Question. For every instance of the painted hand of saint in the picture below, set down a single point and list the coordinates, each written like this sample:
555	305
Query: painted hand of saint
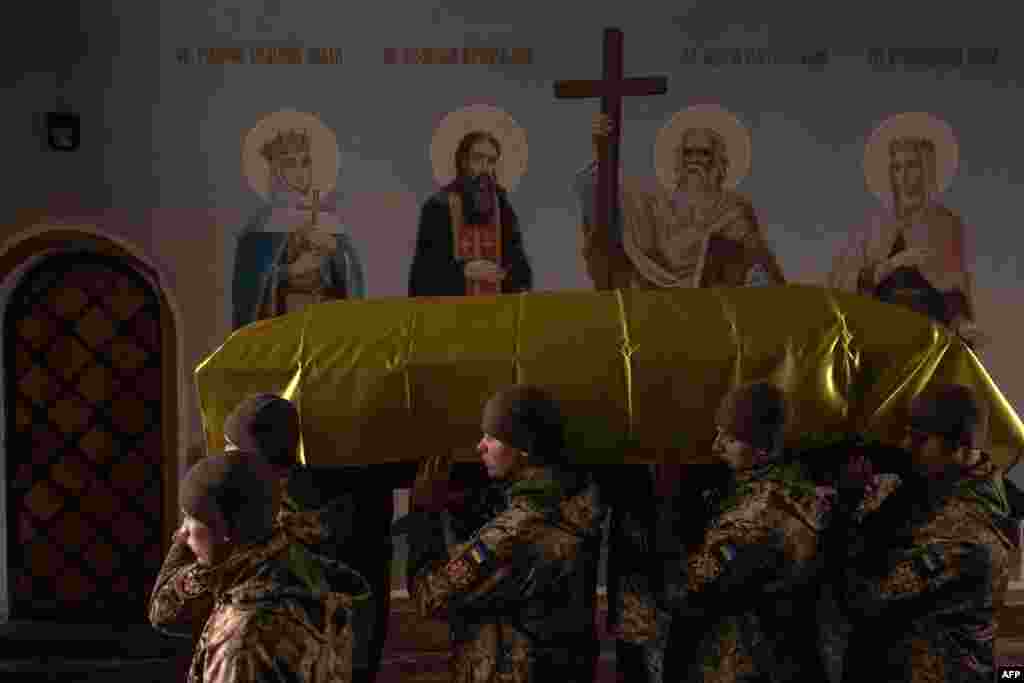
322	241
914	257
307	262
600	130
484	271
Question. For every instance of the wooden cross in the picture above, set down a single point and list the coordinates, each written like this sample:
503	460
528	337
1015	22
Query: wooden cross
611	89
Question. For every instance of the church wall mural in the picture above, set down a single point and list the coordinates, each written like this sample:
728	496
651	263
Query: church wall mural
710	207
732	167
451	153
295	251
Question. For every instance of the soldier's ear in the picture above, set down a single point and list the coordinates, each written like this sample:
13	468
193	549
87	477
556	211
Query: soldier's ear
965	456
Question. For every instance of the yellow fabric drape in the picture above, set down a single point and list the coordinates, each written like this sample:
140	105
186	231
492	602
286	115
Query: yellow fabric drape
639	373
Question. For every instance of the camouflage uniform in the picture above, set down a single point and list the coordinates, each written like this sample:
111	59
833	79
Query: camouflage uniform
652	532
269	425
834	624
279	612
760	557
926	608
742	610
180	605
182	613
520	594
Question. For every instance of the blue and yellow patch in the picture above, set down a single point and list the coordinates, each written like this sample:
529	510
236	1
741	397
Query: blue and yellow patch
727	552
481	554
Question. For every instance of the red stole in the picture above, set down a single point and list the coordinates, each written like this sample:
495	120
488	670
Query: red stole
476	242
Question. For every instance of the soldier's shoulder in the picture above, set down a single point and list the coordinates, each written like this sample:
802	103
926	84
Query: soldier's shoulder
965	519
516	523
279	633
235	629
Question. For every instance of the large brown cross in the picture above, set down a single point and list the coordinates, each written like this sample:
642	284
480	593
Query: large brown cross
611	89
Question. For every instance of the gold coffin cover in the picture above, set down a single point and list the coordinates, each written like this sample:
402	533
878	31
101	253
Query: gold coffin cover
639	374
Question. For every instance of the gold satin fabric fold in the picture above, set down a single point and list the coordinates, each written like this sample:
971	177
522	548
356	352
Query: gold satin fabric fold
638	373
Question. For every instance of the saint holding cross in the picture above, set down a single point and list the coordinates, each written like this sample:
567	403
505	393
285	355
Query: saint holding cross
603	247
692	229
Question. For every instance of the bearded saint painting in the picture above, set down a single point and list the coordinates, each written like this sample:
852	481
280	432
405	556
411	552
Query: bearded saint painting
469	241
691	228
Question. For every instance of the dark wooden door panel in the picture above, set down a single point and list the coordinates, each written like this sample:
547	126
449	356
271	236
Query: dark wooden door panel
85	443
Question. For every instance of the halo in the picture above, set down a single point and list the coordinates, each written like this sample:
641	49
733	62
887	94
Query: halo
324	146
497	122
723	122
909	124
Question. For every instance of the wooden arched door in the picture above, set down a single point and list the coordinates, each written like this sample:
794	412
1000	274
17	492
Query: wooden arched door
83	387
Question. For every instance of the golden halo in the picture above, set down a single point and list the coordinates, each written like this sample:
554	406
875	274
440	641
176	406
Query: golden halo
916	125
723	122
324	146
497	122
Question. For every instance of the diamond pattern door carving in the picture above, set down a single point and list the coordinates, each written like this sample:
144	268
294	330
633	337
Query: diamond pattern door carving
85	447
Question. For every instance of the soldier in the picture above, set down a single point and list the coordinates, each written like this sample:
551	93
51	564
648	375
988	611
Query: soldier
741	606
267	426
520	594
927	571
280	613
318	506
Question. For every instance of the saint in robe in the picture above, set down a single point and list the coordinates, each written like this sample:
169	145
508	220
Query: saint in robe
911	250
469	241
691	230
296	252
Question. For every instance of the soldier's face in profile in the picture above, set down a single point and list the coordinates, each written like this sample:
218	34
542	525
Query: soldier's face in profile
696	160
202	540
931	453
296	170
730	450
482	160
500	460
907	172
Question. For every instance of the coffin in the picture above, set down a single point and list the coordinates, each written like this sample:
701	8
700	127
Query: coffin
639	374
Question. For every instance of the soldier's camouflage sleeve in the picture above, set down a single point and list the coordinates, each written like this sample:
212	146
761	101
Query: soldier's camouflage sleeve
933	576
485	573
722	545
181	602
277	648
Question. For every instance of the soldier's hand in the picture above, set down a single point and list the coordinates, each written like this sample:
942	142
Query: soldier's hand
430	490
856	475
